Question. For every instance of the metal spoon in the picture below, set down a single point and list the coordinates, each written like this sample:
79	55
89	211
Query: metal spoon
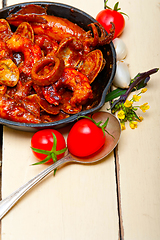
113	127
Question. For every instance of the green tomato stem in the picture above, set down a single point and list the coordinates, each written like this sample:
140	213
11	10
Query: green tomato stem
43	161
50	154
99	124
115	8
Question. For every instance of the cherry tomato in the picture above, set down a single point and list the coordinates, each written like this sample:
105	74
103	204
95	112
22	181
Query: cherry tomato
85	138
44	140
106	16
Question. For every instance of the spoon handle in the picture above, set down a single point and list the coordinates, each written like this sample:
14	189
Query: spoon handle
7	203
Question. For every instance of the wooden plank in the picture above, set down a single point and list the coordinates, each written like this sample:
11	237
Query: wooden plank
138	150
80	202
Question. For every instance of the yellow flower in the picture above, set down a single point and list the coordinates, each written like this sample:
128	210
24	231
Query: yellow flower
144	107
143	90
136	98
123	126
128	103
133	125
121	114
140	119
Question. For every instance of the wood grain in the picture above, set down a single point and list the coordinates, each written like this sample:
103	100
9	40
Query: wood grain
138	150
80	202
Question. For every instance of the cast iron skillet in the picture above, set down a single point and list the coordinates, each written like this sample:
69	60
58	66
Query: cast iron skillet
100	85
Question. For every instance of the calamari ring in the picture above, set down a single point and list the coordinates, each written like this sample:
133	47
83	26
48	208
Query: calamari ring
47	78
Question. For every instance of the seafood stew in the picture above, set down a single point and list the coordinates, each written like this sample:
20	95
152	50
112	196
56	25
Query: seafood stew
95	89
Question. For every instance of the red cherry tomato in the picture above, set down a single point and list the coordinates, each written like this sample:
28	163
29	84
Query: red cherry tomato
106	16
85	138
43	139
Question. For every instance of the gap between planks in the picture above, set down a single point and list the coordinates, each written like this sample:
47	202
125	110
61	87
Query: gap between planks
119	206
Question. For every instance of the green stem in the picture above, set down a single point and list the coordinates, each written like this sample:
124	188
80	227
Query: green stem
99	124
50	154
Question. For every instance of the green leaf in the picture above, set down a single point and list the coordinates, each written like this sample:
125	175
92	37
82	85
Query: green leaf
55	170
105	124
124	14
114	94
61	151
51	154
98	124
54	157
54	143
116	7
43	161
41	151
136	116
88	118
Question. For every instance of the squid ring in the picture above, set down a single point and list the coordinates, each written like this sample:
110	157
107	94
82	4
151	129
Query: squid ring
47	78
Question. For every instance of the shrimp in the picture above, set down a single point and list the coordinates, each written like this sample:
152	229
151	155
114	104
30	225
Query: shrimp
32	52
78	83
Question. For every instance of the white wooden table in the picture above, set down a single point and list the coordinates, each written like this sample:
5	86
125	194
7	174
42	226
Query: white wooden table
116	199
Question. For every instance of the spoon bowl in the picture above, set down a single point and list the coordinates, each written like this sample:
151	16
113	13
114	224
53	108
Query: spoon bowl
111	140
